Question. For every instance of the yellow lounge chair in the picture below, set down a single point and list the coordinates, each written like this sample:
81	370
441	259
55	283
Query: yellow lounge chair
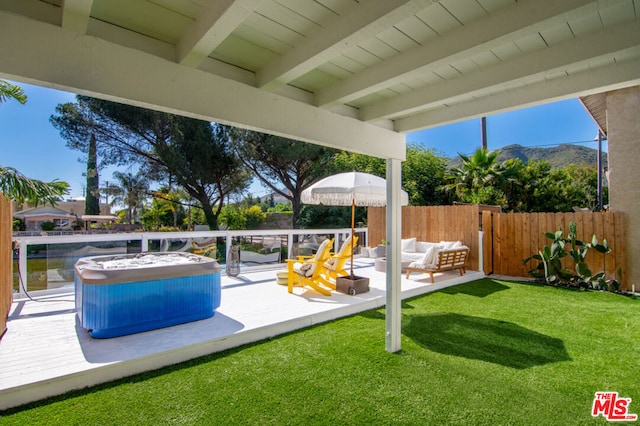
306	272
334	266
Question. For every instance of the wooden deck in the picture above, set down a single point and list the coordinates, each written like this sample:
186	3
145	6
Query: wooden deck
45	352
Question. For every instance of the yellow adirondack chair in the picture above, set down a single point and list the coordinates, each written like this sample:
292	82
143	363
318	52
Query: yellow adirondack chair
334	266
306	271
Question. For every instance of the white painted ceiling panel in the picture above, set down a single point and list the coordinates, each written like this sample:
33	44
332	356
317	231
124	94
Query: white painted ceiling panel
586	25
337	6
378	48
279	47
506	51
493	5
557	34
447	72
191	9
159	23
439	19
465	66
530	43
465	11
485	59
267	28
618	13
309	9
335	71
362	56
348	64
296	22
417	30
254	58
313	80
397	39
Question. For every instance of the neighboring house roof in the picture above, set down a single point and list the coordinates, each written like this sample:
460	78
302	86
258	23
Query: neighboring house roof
42	211
99	217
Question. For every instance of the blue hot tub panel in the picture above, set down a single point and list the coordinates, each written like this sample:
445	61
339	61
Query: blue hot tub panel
120	308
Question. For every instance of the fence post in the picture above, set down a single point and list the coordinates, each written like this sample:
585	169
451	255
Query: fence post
487	246
481	250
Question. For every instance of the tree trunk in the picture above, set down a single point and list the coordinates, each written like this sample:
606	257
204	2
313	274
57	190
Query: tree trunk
296	205
212	219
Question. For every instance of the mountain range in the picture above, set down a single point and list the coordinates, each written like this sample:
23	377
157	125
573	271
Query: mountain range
558	156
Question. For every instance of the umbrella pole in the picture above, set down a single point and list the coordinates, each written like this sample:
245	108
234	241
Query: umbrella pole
353	213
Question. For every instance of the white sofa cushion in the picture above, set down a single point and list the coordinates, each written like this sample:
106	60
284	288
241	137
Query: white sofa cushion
411	257
429	258
408	245
450	245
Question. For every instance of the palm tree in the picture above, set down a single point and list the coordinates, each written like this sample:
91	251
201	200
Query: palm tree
14	184
131	192
11	91
477	173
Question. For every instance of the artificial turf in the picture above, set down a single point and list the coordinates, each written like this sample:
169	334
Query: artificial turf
488	352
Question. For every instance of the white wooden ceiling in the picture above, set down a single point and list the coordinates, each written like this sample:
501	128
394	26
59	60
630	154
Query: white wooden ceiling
353	65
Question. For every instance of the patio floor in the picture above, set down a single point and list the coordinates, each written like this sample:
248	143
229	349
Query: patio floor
45	352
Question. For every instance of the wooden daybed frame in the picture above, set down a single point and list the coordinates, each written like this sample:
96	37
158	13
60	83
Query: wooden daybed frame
448	260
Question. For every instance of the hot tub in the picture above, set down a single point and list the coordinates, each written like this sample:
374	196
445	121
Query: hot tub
126	294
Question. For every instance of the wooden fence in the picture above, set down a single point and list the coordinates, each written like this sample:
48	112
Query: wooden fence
434	223
6	283
516	236
509	238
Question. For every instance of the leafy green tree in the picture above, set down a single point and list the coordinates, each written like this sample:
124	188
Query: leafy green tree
527	189
282	207
345	161
168	147
20	188
231	216
10	91
194	150
166	210
173	200
537	187
132	193
475	174
14	184
92	196
255	217
423	175
285	166
319	216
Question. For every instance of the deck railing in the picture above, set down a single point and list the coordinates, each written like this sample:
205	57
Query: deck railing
46	262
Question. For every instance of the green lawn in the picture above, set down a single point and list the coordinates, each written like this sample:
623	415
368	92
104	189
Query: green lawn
485	353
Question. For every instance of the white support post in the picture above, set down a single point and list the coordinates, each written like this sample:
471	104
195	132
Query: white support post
144	244
394	273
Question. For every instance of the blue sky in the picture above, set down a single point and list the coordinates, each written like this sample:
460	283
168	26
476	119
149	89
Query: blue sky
32	145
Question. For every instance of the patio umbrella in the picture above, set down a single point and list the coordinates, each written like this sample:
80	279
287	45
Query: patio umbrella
350	189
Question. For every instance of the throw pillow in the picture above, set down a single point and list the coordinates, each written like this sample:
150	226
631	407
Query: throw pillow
408	245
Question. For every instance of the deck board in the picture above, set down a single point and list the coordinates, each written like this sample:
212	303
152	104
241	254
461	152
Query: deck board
45	352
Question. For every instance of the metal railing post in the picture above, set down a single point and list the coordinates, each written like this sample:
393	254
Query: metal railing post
22	265
289	245
144	244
